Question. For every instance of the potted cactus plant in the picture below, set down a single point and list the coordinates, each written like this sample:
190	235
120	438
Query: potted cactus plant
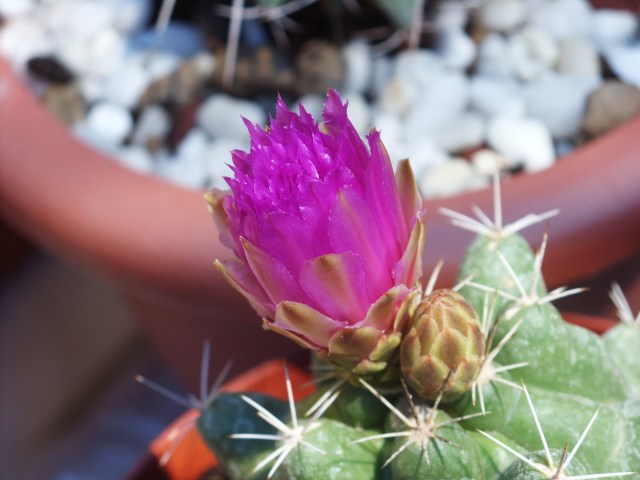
480	380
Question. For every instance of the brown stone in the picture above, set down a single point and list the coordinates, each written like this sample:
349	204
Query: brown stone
65	102
612	104
319	66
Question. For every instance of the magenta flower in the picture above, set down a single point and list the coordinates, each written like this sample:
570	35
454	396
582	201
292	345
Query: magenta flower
327	240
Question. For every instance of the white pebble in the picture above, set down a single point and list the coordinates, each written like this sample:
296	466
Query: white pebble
221	116
450	178
423	154
136	158
154	123
522	141
624	60
501	15
193	145
461	133
497	96
359	67
131	15
79	18
218	159
559	101
110	121
11	8
359	112
438	102
613	27
578	56
22	39
126	85
419	67
313	105
397	96
563	18
487	162
80	53
532	52
188	173
492	56
457	50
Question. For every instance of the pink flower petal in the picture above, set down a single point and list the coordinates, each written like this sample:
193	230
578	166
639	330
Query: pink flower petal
408	270
306	322
410	200
337	284
242	280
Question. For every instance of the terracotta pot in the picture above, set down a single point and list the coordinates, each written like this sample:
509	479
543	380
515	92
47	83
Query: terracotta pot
192	457
158	242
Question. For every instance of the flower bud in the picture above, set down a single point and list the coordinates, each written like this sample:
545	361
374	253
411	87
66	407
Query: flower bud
443	347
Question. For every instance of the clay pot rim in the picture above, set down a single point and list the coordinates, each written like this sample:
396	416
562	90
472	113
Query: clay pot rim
70	198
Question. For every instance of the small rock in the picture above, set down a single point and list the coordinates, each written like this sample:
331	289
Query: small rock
319	66
14	8
564	146
451	18
359	67
265	70
390	130
65	102
423	154
132	15
492	57
221	116
110	121
624	60
397	96
523	141
136	158
179	39
560	101
442	100
531	52
49	69
79	53
450	178
578	56
313	105
461	133
185	172
127	85
22	39
152	127
563	18
359	112
613	27
610	105
487	162
79	18
457	50
381	74
501	15
419	67
497	96
218	159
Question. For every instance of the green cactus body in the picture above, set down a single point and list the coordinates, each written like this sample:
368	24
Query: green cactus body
337	457
561	357
229	414
523	471
354	406
435	458
482	264
623	344
496	459
631	414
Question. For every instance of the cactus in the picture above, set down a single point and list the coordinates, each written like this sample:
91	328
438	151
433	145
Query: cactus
486	383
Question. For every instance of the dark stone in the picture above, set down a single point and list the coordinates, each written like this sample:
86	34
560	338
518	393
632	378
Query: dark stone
319	66
609	106
49	69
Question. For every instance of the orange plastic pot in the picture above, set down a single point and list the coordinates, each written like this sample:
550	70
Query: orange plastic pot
191	458
158	242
